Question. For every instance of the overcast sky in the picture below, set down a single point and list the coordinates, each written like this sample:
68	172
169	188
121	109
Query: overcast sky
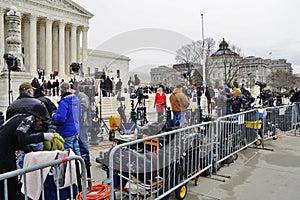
150	31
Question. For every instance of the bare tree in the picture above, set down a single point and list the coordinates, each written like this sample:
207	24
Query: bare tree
191	54
281	79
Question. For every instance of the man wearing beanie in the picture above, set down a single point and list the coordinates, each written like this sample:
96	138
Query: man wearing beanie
67	118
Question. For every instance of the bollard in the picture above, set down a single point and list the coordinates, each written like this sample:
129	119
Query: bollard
1	118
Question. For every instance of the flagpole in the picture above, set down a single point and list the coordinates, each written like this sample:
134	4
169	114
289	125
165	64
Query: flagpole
203	60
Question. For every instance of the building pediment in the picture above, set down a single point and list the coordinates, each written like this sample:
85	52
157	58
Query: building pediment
45	6
65	5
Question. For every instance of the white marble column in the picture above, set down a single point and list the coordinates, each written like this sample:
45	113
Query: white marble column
61	52
55	49
73	43
84	49
49	68
78	54
2	39
67	51
41	58
26	43
33	45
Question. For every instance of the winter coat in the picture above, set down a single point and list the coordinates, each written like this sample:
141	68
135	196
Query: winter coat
179	101
160	102
86	119
15	134
221	103
51	107
236	104
22	104
67	116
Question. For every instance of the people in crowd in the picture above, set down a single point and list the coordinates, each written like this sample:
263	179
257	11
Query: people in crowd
49	88
85	123
236	101
160	101
24	102
107	86
113	87
55	88
67	118
179	103
136	81
119	88
228	101
51	107
221	102
16	134
209	94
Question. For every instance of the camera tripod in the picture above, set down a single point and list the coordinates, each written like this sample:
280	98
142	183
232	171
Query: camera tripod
138	111
103	125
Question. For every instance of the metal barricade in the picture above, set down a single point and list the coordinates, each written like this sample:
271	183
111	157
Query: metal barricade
276	121
234	133
26	172
155	166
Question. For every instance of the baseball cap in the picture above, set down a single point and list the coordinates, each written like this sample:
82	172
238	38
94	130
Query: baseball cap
25	86
65	87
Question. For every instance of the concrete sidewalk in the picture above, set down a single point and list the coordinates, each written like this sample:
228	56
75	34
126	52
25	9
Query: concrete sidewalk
256	174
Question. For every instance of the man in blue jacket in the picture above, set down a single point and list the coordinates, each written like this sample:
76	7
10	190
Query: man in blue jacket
67	118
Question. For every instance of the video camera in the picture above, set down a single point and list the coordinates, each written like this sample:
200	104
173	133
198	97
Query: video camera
139	93
261	85
13	63
75	67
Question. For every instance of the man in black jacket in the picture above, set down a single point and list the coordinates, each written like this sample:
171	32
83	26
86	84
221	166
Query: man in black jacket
24	102
15	134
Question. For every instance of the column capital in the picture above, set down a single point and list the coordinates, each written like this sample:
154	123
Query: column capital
49	20
33	17
85	28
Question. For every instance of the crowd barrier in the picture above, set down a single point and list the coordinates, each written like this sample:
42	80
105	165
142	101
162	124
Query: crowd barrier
156	166
34	177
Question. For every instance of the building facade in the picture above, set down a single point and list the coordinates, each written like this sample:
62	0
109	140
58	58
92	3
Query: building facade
53	35
247	69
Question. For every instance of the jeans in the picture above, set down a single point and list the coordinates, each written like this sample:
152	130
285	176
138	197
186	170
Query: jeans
84	143
34	147
72	143
178	119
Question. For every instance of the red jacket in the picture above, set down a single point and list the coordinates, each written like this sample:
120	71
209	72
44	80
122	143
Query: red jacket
160	102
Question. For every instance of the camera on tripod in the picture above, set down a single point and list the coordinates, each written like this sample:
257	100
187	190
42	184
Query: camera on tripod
13	63
75	68
261	85
139	93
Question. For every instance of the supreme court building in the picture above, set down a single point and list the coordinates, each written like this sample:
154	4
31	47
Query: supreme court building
53	34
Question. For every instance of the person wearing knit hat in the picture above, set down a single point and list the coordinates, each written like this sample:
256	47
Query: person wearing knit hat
237	101
236	92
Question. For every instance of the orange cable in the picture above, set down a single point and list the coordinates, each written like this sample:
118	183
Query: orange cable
97	192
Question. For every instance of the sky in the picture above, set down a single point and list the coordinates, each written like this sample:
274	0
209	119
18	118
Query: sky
150	31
